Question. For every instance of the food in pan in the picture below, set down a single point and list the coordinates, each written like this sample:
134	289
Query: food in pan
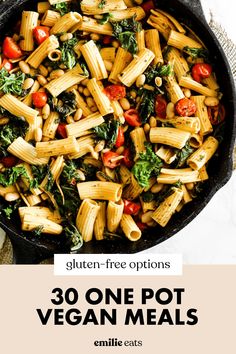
110	113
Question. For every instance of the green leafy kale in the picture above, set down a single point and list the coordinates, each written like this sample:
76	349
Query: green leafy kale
38	231
11	175
68	106
148	165
62	7
11	83
71	204
102	4
68	55
197	52
147	105
74	237
148	197
153	71
39	173
89	171
9	210
183	155
11	131
125	31
108	131
70	173
105	18
162	195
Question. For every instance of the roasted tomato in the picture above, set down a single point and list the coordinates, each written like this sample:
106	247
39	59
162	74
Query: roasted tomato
6	64
39	99
61	130
127	161
115	92
41	33
141	225
10	49
201	71
148	6
160	107
107	39
9	161
216	114
131	208
185	107
132	117
120	140
111	159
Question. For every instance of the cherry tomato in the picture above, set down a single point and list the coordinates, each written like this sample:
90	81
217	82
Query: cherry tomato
185	107
120	138
9	161
127	161
160	107
132	117
201	71
6	64
40	34
131	208
61	130
108	157
148	5
39	99
216	114
141	225
115	92
10	49
107	39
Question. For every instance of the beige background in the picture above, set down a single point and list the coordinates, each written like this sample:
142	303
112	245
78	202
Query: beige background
211	289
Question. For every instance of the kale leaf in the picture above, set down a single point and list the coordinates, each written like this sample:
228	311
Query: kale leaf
153	71
147	105
68	55
74	237
102	4
63	8
11	131
10	176
68	106
105	18
70	173
148	165
197	52
89	170
11	83
108	131
125	31
183	155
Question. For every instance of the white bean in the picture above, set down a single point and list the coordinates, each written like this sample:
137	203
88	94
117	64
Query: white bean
170	110
11	197
211	101
125	104
140	80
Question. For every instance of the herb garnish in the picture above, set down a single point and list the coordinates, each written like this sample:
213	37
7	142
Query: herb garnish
105	18
62	7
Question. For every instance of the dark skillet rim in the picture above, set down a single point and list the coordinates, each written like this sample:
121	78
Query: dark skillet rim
144	244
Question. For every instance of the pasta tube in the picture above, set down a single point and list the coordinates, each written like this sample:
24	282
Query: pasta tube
205	124
18	108
180	41
130	228
200	157
94	60
26	152
173	89
152	41
169	136
31	222
80	102
5	190
50	126
188	124
100	190
196	140
125	175
138	138
55	170
91	7
137	66
114	215
108	53
62	83
77	129
136	11
28	98
140	40
191	84
100	222
102	101
57	147
178	26
50	18
91	25
167	208
180	65
166	154
161	23
66	22
41	53
133	190
86	144
43	7
122	59
169	176
86	217
29	21
40	211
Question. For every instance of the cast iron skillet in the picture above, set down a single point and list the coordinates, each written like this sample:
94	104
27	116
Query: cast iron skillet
28	250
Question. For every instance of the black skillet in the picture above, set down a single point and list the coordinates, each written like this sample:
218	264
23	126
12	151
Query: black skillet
28	250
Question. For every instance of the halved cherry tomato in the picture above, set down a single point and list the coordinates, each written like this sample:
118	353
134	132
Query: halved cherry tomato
185	107
108	161
39	99
148	5
131	208
120	140
40	34
201	71
127	161
61	130
6	64
216	114
9	161
10	49
160	107
107	39
141	225
132	117
115	92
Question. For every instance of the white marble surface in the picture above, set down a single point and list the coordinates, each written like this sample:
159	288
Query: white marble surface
211	237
